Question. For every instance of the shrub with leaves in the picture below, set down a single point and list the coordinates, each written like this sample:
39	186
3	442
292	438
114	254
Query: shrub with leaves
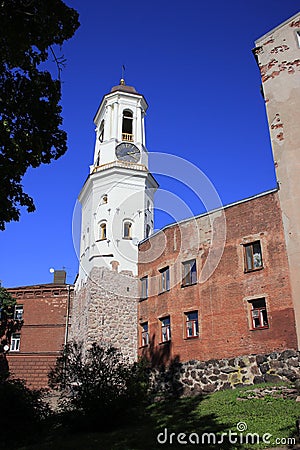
98	388
8	326
23	412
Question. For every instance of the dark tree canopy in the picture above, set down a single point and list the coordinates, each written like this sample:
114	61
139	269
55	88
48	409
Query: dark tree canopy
30	114
8	324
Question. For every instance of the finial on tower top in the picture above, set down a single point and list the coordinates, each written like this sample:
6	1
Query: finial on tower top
122	81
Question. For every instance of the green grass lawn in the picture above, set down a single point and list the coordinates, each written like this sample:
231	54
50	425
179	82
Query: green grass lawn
217	413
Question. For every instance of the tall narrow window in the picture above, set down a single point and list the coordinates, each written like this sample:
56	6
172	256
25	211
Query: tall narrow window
165	329
164	280
98	159
145	334
127	125
101	131
127	230
192	327
15	342
144	287
298	37
18	315
253	256
148	229
259	316
189	273
102	231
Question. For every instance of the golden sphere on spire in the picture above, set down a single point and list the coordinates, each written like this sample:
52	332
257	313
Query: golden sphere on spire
122	82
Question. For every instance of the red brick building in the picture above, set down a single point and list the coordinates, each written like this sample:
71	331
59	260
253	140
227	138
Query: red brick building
45	311
244	307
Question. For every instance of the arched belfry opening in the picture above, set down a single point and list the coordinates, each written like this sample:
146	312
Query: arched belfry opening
127	134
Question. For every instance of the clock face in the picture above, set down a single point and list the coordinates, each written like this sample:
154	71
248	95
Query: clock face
128	152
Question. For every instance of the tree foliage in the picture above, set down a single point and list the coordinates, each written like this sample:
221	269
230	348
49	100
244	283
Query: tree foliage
100	387
23	412
8	324
30	113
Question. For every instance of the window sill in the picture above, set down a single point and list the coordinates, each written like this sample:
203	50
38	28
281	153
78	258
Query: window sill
165	342
127	238
254	270
143	346
100	240
163	292
143	299
260	328
190	284
191	338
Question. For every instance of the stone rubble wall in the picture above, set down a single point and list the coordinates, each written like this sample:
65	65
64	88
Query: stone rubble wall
105	311
195	377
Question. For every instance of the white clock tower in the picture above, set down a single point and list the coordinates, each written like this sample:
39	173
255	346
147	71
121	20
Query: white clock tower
117	197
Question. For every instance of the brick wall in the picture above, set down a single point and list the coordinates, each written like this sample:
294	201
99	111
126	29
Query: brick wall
43	332
222	302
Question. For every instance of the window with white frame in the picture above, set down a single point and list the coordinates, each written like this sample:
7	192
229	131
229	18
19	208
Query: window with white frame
144	287
15	342
189	272
18	314
259	315
127	230
191	324
165	323
253	256
144	334
127	125
164	280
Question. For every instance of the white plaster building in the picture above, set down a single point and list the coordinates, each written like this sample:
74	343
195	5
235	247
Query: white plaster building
117	197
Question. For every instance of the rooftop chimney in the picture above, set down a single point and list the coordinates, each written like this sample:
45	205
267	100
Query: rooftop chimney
59	277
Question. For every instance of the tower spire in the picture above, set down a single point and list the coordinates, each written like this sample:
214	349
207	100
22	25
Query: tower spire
122	81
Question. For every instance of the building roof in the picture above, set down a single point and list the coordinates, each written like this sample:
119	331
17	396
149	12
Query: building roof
124	88
207	213
283	24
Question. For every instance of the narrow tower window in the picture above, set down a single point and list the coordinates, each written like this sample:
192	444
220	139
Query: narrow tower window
127	125
148	229
102	231
127	230
101	131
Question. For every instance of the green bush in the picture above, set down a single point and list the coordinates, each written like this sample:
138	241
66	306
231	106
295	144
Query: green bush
97	389
23	411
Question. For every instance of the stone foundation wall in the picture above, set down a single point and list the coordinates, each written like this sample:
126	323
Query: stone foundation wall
195	377
105	311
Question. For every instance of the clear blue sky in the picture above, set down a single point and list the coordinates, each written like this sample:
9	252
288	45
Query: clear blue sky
192	61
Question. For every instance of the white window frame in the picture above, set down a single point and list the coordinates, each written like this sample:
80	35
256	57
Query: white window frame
165	329
15	341
145	334
18	309
191	324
